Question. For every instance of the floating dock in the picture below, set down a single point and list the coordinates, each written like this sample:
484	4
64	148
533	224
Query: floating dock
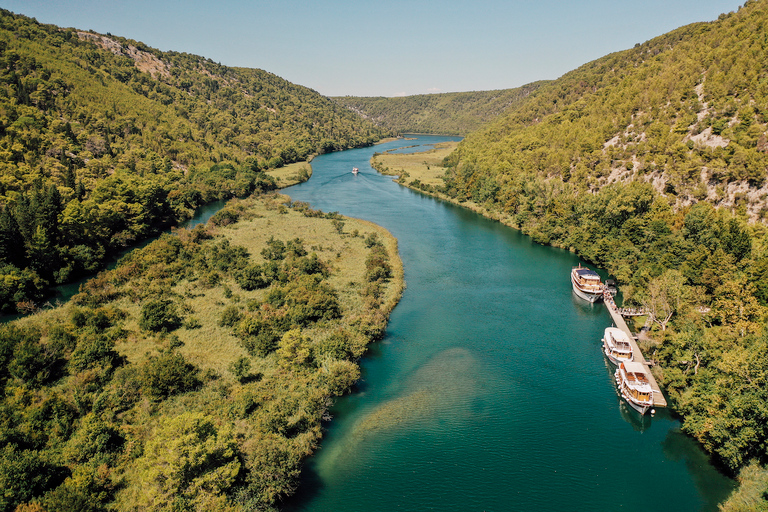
637	356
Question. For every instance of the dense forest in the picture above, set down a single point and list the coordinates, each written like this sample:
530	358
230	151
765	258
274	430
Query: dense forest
651	163
196	374
103	141
456	113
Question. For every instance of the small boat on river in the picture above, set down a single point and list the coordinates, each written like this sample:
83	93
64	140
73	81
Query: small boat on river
587	284
634	386
355	170
616	345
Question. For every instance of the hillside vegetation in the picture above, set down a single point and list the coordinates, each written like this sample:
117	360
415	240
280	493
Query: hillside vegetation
651	163
104	140
457	113
196	374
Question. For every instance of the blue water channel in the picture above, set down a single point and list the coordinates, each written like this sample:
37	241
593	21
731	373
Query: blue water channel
489	390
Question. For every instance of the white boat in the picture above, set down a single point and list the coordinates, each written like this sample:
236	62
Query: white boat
634	386
587	284
355	170
616	345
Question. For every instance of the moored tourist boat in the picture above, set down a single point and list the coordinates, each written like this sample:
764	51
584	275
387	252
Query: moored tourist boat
586	284
634	386
616	345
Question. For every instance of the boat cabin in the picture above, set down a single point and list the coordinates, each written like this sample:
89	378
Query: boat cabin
638	387
616	345
588	279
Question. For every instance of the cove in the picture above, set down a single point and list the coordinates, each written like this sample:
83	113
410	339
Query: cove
489	390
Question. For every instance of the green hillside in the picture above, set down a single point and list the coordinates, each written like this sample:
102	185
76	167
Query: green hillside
457	113
651	163
104	140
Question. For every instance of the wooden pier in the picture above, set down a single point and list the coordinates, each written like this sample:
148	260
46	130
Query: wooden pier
637	356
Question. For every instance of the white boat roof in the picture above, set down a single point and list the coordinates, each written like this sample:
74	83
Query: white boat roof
617	333
634	367
586	273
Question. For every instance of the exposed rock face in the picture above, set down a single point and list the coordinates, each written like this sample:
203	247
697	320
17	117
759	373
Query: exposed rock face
145	61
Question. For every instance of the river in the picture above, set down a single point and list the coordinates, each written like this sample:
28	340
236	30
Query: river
489	390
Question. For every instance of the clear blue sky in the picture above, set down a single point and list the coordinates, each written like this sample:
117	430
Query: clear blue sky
386	48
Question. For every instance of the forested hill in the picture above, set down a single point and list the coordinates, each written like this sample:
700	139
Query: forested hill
651	163
685	112
457	113
103	140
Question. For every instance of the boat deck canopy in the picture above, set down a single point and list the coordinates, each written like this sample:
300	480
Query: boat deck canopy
634	367
617	334
585	273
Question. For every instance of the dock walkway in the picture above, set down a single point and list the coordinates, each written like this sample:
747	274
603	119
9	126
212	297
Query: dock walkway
637	356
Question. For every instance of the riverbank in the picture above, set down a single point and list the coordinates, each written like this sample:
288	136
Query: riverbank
229	340
424	172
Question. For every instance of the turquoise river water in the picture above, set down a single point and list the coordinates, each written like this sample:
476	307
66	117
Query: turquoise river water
489	390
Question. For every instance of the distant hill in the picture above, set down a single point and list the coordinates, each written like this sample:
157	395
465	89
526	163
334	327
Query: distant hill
457	113
103	140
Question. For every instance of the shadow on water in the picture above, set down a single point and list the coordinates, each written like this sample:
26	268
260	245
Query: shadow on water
713	486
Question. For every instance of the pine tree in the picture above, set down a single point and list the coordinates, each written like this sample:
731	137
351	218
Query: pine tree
48	210
24	214
11	241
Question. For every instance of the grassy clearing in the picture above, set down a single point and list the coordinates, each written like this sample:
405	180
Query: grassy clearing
291	174
425	167
211	346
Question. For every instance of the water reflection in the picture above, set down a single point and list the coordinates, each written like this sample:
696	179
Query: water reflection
710	483
638	422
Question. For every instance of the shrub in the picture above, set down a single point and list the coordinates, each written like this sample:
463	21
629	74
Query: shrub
225	217
168	374
252	277
377	266
230	316
94	350
306	300
295	349
275	250
241	369
260	336
340	375
189	464
372	240
159	315
95	440
25	474
335	346
295	248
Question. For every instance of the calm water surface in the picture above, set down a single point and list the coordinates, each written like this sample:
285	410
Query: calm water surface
489	391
